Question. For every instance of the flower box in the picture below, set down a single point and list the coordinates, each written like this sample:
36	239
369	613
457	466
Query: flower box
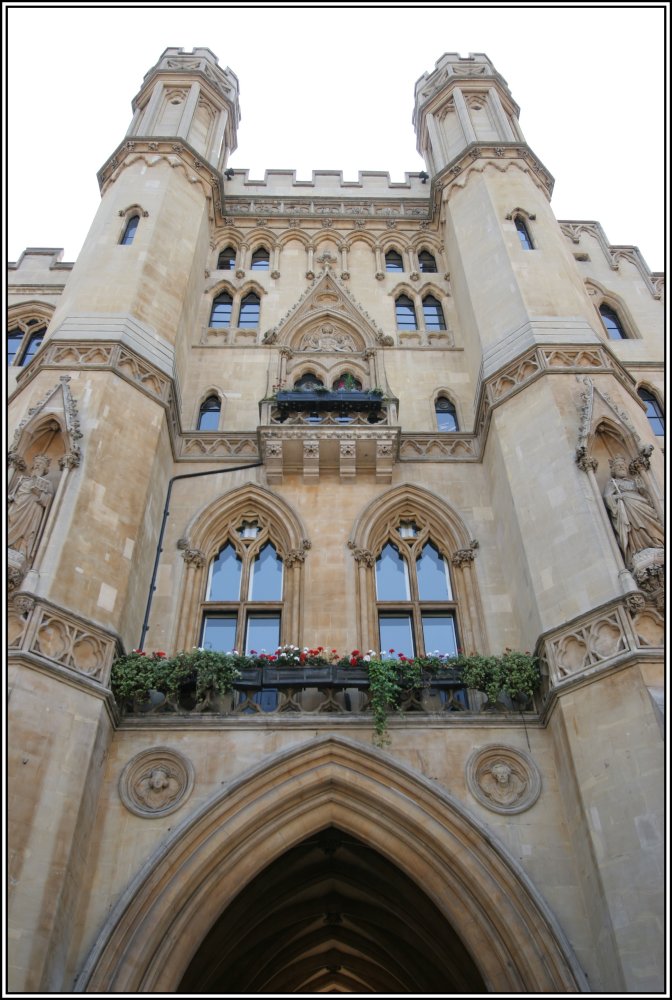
342	399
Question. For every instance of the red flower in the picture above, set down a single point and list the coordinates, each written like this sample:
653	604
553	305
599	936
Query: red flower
302	657
355	652
353	661
390	650
159	653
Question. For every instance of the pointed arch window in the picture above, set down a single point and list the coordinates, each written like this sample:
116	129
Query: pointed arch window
226	260
405	310
22	345
222	308
243	602
427	262
249	311
446	415
129	232
260	259
654	412
394	261
612	323
523	233
208	416
433	313
414	595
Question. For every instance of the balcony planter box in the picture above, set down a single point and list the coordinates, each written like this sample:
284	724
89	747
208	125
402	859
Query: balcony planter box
343	399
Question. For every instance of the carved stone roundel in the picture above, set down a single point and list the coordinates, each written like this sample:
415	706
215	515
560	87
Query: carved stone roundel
503	779
156	782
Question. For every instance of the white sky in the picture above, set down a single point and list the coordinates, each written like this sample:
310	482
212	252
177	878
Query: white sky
332	88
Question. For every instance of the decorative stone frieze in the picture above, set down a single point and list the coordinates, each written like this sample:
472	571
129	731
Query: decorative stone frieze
603	638
156	782
223	446
503	779
60	637
433	447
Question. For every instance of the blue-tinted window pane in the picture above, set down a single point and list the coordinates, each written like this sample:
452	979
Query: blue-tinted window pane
225	576
446	417
249	312
33	345
439	634
433	313
208	418
427	262
221	311
260	260
266	579
129	231
393	261
396	633
14	341
263	633
523	234
653	412
405	313
226	260
612	323
392	575
433	580
219	634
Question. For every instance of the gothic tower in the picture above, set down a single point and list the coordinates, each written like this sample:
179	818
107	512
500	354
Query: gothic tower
372	418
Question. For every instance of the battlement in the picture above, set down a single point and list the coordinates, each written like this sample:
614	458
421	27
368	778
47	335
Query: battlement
369	183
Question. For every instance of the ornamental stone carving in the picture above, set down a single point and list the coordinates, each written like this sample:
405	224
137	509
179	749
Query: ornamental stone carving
362	555
327	339
462	556
193	557
503	779
156	782
635	521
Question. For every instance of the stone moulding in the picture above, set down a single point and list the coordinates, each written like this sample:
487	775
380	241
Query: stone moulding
58	636
614	255
605	637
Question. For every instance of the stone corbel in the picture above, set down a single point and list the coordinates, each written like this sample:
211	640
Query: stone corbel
462	556
363	556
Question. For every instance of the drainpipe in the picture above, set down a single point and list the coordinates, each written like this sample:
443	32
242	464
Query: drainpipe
159	546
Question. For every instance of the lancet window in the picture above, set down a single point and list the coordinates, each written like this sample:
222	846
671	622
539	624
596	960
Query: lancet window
414	595
208	415
129	231
243	601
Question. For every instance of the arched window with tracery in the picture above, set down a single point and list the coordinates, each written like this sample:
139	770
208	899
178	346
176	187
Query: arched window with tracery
405	312
433	313
261	259
414	595
427	262
227	259
394	261
242	607
222	308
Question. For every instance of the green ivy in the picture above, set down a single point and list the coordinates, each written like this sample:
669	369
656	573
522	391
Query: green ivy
516	674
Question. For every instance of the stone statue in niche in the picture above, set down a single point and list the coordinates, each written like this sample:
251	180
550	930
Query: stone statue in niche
632	513
28	504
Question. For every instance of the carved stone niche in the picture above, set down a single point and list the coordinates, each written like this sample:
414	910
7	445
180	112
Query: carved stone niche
503	779
156	782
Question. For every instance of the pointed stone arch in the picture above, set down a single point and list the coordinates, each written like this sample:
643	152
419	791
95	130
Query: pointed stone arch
444	526
208	530
166	911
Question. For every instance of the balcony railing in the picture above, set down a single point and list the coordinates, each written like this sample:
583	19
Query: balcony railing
344	406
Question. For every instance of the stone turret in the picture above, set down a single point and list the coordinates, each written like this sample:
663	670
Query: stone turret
189	96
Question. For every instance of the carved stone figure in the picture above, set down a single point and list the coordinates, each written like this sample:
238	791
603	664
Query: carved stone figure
327	340
632	513
502	784
27	507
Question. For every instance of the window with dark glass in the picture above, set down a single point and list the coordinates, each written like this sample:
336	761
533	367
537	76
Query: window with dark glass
427	262
612	323
309	380
405	311
260	259
654	412
208	417
249	311
129	231
221	310
433	313
243	601
446	416
226	260
523	234
416	609
394	261
22	346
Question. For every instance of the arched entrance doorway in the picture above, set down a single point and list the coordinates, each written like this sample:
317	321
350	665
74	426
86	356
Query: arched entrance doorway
168	910
332	915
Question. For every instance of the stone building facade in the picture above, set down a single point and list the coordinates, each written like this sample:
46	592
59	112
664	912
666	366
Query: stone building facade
177	403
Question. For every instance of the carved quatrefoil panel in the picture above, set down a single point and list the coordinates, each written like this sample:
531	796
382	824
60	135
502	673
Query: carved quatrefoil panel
156	782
